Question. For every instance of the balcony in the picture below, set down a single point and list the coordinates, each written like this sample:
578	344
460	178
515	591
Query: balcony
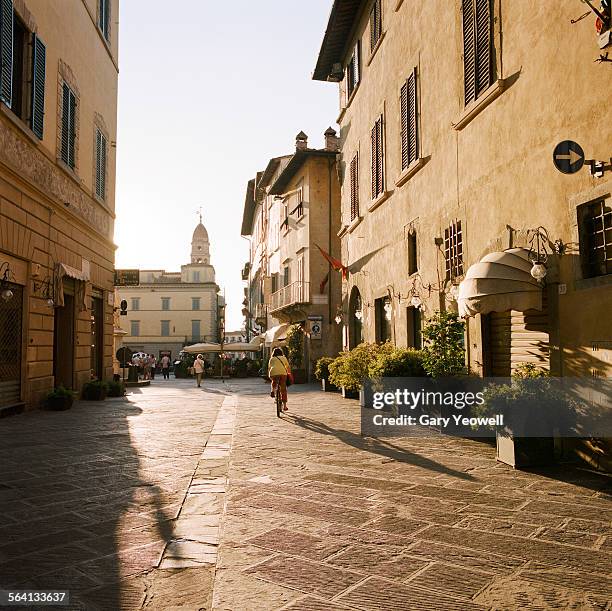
261	311
292	294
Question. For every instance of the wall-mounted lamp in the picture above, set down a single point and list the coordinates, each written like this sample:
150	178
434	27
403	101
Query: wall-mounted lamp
6	292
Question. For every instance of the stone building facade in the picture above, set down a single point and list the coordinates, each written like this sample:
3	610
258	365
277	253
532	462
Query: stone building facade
168	310
290	208
58	107
449	116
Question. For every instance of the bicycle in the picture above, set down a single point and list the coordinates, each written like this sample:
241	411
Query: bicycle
279	400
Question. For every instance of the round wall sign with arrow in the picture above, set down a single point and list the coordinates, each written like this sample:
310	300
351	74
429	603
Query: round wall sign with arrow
568	157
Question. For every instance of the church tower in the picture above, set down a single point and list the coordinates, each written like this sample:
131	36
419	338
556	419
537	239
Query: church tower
199	268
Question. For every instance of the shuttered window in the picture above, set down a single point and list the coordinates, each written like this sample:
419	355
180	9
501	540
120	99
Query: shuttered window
375	24
353	71
39	54
453	250
6	51
104	17
354	186
408	106
68	126
478	52
100	164
378	181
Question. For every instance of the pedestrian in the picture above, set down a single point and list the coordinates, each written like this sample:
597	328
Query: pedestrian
199	367
146	364
153	365
165	366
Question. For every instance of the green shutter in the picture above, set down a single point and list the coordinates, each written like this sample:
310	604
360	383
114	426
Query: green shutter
6	51
68	126
38	86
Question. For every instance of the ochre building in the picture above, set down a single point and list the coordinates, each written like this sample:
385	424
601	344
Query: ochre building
58	107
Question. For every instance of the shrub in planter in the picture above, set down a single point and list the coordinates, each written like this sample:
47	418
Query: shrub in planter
94	391
444	351
398	363
59	399
322	373
116	389
352	367
295	346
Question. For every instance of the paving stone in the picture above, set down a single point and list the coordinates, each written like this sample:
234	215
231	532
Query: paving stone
397	526
308	603
477	498
452	580
568	536
501	526
205	503
358	482
377	594
297	544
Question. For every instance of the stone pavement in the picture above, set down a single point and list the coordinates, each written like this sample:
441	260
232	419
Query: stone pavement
184	498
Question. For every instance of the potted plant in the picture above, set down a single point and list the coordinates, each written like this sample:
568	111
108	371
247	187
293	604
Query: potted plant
94	391
59	399
295	353
532	406
116	389
322	374
444	350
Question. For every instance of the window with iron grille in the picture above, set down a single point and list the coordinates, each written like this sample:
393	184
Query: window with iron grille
353	70
408	109
378	177
67	151
478	50
134	328
165	303
165	328
354	186
382	314
375	24
104	17
100	164
595	235
453	250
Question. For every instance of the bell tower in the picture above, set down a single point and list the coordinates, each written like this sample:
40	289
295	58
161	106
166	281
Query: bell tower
200	245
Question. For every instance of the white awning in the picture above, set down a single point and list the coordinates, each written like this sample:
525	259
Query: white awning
501	281
202	348
275	335
253	346
64	270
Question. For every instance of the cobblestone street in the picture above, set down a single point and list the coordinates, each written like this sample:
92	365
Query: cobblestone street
122	503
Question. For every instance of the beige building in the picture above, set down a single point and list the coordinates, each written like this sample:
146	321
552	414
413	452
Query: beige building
58	107
168	310
449	115
290	208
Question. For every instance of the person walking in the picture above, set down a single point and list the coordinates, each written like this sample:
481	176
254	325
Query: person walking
199	367
278	372
165	366
153	365
146	364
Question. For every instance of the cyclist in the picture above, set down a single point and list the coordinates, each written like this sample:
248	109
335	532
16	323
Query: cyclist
278	371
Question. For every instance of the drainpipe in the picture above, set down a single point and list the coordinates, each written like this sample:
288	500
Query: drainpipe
329	241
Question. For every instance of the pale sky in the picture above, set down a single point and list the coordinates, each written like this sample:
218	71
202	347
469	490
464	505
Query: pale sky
208	93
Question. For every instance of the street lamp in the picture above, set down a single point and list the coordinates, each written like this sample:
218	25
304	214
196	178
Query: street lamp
5	290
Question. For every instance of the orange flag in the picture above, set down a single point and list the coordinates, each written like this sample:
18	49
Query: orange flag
335	263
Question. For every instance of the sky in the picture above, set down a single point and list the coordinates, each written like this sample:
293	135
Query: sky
208	93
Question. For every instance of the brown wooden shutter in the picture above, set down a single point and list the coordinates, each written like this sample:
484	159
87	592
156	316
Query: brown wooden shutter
380	156
374	181
354	180
375	24
408	105
483	45
478	64
469	51
404	122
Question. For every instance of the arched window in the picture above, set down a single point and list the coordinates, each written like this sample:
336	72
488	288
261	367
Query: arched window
355	318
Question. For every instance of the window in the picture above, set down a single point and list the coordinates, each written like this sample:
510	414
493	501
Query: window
67	151
353	70
195	330
478	52
135	303
595	236
165	328
22	71
378	178
104	17
382	312
286	275
408	105
274	283
414	328
195	303
453	250
100	164
165	303
135	328
413	266
375	24
354	186
196	275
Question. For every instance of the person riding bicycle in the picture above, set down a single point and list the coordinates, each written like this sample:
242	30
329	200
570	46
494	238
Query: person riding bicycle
278	371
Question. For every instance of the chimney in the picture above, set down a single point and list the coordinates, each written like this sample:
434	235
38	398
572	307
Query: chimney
332	142
301	142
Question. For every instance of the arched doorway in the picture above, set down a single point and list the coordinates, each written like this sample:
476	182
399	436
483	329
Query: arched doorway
355	318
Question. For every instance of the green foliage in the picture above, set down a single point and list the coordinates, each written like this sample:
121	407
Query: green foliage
352	367
529	371
94	391
116	389
60	393
444	353
401	362
322	368
295	346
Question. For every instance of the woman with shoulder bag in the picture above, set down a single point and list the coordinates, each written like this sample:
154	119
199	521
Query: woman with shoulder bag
279	371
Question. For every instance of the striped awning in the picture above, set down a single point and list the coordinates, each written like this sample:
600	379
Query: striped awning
499	282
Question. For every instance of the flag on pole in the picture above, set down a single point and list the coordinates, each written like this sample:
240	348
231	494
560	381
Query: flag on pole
335	263
323	283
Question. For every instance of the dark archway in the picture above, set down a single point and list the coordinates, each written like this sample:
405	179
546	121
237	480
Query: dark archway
355	318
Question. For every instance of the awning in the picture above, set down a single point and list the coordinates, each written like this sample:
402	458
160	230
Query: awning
275	335
202	348
253	346
501	281
63	270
